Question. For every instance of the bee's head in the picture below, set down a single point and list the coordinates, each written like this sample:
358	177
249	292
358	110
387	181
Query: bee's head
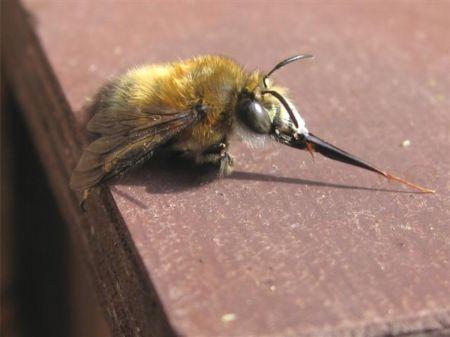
266	109
269	112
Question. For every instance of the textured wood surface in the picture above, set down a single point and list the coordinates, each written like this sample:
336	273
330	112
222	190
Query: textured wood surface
285	246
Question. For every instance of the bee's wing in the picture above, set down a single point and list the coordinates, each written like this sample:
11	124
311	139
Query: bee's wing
126	140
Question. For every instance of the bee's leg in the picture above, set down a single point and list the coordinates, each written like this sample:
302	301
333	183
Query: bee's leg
217	154
217	148
226	164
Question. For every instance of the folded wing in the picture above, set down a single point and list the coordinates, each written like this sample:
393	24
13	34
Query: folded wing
126	140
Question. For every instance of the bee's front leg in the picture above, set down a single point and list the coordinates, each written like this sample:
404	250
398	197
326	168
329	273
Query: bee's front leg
226	164
217	154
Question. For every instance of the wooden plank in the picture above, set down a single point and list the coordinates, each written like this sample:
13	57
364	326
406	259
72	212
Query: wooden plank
126	295
285	246
40	267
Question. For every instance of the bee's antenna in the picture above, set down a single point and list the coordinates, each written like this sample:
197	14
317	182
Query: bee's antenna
285	62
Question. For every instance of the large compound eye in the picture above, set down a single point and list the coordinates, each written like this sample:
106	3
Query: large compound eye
254	115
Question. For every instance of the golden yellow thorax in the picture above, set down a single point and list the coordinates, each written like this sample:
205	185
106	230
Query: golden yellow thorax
213	81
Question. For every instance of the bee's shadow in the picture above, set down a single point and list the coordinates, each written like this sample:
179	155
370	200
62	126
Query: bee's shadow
166	175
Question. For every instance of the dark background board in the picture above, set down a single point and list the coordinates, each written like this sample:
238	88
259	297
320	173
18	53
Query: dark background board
45	290
285	246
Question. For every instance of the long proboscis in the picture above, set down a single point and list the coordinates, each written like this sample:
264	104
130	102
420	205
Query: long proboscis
326	149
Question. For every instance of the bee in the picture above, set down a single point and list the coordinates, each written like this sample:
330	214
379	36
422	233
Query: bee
192	108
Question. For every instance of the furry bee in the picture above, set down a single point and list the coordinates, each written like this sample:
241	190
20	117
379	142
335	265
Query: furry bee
192	108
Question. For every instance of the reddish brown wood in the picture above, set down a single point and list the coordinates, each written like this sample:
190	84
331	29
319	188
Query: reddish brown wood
285	246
